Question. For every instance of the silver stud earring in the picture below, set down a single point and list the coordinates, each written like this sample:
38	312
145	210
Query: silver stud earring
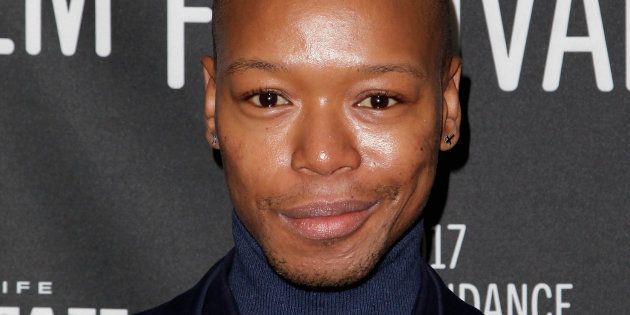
213	139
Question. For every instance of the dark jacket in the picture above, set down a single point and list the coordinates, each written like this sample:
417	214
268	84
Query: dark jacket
212	295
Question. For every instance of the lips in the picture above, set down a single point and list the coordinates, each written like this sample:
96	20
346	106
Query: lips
324	220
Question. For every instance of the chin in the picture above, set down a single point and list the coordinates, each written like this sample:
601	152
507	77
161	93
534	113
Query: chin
315	277
328	270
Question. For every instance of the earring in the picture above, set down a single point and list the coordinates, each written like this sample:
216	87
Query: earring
448	139
215	139
212	138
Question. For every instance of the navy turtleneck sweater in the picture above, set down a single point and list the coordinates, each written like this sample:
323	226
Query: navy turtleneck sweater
392	288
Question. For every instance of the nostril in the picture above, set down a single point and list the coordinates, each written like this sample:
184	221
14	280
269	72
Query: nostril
324	149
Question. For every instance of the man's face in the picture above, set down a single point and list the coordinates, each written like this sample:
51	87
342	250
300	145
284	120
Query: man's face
330	115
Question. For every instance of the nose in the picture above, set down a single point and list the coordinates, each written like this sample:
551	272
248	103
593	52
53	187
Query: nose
324	142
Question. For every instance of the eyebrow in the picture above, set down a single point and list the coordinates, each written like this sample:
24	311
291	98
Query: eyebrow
242	65
401	68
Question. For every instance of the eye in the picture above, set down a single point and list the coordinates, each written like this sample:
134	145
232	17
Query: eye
268	99
378	101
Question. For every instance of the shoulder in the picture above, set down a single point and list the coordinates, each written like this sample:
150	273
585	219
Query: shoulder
193	300
182	303
448	302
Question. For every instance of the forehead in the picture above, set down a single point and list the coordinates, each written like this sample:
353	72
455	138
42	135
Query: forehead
328	33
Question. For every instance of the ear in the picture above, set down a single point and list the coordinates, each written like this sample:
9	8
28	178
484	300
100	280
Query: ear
451	110
209	101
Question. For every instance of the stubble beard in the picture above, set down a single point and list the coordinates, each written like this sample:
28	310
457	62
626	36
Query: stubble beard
325	277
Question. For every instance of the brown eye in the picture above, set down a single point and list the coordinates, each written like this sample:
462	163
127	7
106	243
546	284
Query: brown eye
378	101
269	99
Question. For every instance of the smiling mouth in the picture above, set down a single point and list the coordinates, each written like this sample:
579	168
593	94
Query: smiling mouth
323	220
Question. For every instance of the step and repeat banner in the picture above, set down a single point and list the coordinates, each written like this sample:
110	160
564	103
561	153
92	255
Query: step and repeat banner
112	202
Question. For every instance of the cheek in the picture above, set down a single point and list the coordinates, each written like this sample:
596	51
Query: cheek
402	152
250	176
253	158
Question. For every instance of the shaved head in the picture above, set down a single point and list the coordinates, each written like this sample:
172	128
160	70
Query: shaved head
439	11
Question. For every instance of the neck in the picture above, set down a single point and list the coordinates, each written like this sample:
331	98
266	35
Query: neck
391	288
